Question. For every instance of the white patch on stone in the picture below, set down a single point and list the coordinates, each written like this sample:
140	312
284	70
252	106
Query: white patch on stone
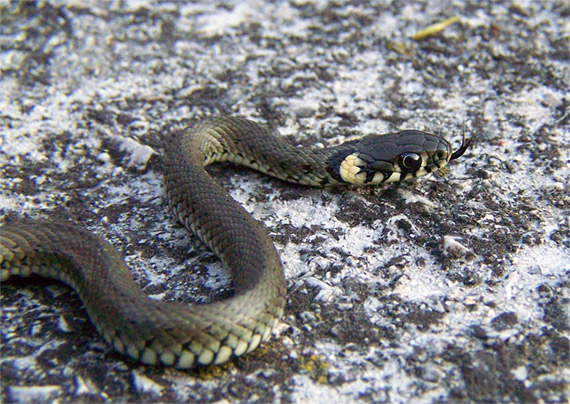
450	244
143	384
25	394
138	154
63	325
410	197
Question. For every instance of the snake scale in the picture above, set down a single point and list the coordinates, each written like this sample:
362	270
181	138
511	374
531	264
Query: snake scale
187	335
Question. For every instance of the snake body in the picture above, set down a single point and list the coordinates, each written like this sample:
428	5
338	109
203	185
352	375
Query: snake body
188	335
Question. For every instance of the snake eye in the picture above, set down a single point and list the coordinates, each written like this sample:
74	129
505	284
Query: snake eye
410	161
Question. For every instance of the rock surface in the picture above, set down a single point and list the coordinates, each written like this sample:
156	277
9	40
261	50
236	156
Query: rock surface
453	288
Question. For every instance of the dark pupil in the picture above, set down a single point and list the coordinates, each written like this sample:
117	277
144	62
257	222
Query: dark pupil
410	161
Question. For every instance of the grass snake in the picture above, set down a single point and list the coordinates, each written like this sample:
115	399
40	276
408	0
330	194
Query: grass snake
186	335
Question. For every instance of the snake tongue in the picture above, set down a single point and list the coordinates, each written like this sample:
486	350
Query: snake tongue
459	152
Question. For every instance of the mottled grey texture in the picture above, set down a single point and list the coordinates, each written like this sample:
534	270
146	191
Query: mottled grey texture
453	288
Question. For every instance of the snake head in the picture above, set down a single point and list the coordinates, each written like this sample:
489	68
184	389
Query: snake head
376	159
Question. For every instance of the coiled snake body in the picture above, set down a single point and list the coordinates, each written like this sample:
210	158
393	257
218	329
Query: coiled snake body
187	335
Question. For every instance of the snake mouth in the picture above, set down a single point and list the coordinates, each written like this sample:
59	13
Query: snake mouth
464	145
